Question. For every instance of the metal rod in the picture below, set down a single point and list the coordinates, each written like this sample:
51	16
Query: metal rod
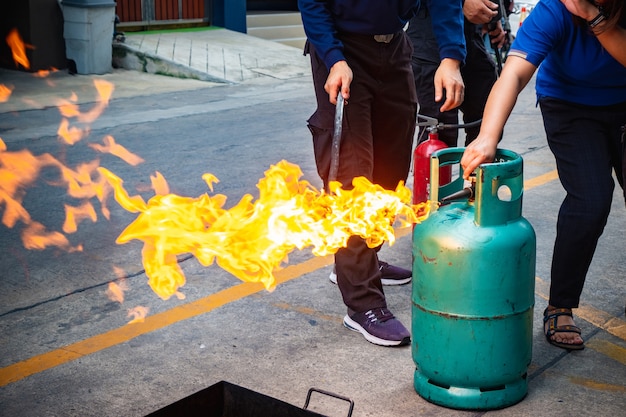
336	144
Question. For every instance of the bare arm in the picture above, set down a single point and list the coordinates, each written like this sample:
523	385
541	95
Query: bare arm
515	76
613	39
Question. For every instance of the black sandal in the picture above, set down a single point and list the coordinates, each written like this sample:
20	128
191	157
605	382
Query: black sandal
551	316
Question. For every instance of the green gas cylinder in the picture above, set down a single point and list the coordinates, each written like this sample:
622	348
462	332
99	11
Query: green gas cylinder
473	288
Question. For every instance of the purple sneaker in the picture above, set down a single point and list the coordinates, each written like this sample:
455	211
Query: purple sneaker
389	274
378	326
393	275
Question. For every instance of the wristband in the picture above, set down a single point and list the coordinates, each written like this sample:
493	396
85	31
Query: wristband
601	17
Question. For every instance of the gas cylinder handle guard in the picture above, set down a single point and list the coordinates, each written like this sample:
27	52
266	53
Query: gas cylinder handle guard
443	157
506	170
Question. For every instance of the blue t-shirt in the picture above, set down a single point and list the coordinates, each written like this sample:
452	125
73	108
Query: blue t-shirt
323	19
573	65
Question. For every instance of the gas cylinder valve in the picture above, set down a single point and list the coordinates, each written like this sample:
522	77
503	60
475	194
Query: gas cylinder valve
467	192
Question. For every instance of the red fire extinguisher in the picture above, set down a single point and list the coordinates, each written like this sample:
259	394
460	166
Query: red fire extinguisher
421	166
423	152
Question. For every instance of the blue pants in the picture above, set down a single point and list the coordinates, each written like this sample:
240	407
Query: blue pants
587	144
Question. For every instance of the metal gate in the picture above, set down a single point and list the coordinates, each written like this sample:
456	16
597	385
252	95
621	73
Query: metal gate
161	10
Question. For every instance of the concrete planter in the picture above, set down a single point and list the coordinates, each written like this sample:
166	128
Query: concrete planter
88	33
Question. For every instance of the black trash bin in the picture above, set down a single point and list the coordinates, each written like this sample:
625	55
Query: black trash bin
224	399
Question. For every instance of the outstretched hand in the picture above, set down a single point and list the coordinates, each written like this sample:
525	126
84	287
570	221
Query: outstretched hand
478	152
448	78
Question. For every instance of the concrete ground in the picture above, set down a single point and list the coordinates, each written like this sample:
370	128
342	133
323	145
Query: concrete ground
68	350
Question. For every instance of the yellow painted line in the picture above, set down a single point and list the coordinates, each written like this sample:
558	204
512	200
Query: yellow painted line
613	351
39	363
599	386
599	318
541	180
603	320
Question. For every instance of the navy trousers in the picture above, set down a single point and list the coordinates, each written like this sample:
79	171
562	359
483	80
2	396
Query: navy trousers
377	136
587	143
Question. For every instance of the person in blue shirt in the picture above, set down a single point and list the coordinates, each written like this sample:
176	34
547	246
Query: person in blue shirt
577	49
358	48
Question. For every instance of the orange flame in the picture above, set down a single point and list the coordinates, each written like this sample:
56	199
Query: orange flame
118	150
20	169
251	239
5	93
35	236
17	171
18	48
138	314
44	73
74	214
115	292
70	135
70	110
159	185
120	274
